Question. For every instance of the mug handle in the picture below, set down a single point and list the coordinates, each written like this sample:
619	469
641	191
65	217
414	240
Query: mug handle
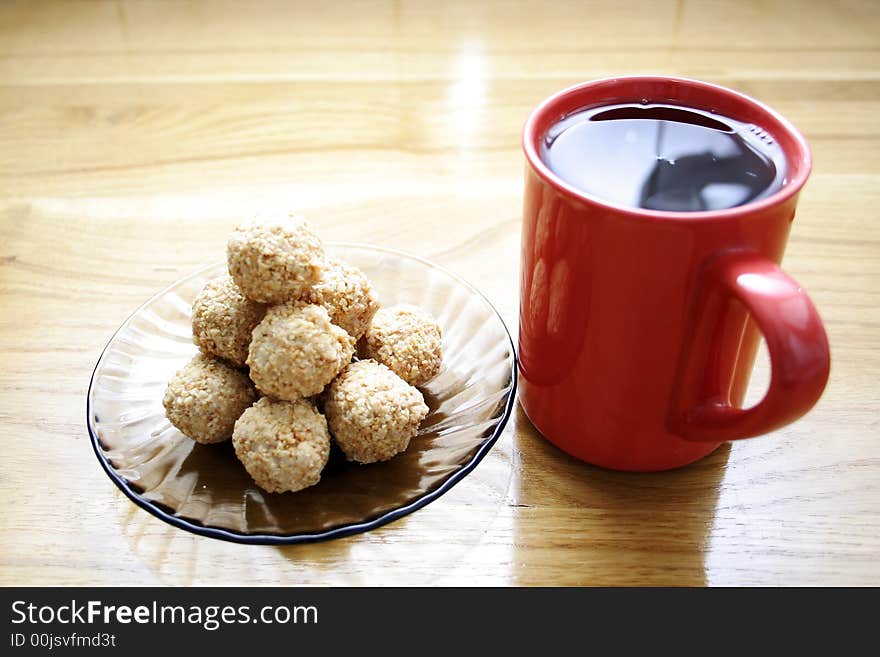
796	341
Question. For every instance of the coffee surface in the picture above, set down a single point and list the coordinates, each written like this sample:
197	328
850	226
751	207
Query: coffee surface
664	157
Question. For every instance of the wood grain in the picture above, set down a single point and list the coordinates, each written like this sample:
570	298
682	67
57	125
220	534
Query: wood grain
133	135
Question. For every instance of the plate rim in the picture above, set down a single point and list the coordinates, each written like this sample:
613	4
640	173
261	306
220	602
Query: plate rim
156	508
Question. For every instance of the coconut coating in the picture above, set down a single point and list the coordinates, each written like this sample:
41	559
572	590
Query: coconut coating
295	351
275	258
206	397
223	319
406	339
347	294
283	445
372	412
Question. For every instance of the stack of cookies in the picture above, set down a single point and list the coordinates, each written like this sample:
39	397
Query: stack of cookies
277	370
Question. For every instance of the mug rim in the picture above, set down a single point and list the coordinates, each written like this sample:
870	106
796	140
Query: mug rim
803	155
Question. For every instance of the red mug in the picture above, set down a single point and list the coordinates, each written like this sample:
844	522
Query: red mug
639	328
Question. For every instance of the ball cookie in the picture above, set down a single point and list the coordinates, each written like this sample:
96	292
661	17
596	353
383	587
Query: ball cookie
206	397
283	445
275	258
296	351
347	294
406	339
372	413
223	319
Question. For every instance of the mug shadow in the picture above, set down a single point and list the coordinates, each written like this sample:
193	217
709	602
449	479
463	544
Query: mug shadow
579	524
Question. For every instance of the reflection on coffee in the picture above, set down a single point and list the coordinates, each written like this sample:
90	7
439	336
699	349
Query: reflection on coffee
663	157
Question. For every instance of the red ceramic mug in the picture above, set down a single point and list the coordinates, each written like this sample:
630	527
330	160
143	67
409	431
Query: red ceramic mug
639	328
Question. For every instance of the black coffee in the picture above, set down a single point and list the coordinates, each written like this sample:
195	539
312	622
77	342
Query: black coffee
663	157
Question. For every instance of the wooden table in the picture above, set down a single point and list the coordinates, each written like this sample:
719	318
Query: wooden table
134	135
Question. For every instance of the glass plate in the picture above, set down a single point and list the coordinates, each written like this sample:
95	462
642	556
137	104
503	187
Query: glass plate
204	489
